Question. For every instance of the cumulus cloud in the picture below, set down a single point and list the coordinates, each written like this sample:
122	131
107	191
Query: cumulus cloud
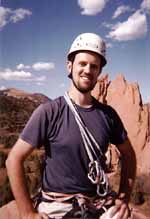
19	14
43	66
91	7
135	27
22	66
22	73
38	66
145	5
8	15
16	75
120	10
8	74
4	13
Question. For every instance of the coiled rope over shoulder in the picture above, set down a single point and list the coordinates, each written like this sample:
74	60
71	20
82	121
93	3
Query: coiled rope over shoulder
96	173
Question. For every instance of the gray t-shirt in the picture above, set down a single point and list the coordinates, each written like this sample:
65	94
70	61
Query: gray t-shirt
53	126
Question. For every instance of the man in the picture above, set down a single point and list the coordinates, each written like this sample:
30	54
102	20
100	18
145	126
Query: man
67	127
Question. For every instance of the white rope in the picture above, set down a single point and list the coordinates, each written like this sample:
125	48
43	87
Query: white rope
83	128
99	177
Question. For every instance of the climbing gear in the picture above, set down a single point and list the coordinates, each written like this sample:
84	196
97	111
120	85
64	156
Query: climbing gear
89	42
88	208
67	206
96	172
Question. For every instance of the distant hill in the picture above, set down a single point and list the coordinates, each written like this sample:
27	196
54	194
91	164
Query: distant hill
16	106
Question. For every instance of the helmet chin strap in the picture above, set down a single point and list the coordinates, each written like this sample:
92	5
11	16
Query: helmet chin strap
70	75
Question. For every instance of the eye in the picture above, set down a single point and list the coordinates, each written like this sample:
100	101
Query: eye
82	64
94	66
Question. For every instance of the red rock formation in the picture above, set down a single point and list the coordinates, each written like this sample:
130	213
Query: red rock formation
126	99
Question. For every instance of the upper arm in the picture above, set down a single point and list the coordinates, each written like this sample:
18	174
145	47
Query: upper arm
35	131
118	133
20	151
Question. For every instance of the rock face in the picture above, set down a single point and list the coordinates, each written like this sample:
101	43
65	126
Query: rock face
125	98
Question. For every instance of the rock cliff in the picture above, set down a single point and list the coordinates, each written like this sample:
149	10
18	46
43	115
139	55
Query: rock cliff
126	99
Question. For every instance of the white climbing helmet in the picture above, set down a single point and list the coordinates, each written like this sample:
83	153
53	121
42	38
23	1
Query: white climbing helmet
89	42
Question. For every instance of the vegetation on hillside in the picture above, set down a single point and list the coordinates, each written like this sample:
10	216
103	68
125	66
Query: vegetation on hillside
14	113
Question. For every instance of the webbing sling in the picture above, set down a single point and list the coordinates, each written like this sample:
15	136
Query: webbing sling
96	173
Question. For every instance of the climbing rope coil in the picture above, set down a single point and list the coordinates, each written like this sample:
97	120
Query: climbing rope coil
96	172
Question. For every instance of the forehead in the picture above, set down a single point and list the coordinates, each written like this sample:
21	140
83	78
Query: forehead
88	56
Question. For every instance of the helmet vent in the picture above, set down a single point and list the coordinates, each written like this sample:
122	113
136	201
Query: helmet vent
90	42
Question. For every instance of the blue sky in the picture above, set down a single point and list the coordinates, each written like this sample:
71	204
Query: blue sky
35	36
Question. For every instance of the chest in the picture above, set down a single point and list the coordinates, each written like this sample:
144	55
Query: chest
65	135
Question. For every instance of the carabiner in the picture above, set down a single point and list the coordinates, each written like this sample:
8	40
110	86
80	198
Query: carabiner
94	172
103	186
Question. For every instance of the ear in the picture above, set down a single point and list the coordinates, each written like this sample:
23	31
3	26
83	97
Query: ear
69	66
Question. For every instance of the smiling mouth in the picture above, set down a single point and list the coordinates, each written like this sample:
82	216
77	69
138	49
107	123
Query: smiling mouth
86	78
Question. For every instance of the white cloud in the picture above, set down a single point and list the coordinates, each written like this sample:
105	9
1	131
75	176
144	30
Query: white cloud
135	27
91	7
21	73
38	66
22	66
4	13
120	10
8	15
145	5
8	75
43	66
19	14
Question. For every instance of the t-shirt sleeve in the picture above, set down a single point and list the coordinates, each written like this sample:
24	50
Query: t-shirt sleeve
35	130
118	132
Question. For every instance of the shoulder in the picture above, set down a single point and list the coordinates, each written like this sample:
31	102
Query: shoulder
106	109
52	108
110	114
52	104
118	132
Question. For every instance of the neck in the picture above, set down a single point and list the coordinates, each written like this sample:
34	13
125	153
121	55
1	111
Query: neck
81	99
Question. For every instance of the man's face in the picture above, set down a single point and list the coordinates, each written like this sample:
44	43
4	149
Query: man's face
85	69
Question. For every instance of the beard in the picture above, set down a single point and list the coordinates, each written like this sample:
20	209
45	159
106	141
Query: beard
83	89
